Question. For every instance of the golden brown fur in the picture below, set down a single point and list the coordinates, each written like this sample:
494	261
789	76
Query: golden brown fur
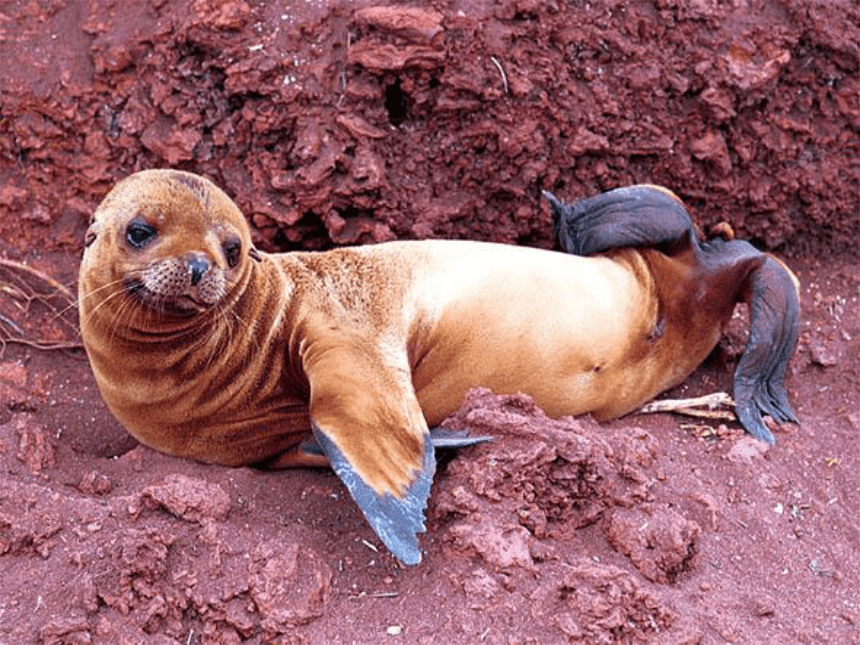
372	343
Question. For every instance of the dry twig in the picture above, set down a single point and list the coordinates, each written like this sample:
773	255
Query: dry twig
17	286
702	406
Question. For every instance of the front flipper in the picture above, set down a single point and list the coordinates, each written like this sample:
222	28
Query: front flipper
367	420
395	520
772	294
641	215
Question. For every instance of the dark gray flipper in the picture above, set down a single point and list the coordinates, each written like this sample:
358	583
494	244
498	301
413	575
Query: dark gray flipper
641	215
442	440
395	521
774	329
454	439
310	447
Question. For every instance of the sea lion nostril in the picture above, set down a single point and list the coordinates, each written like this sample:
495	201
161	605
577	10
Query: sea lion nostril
198	267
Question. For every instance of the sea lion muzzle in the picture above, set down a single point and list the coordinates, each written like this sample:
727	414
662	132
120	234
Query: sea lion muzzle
198	266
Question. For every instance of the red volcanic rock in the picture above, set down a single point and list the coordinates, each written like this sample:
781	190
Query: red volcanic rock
442	122
194	500
661	543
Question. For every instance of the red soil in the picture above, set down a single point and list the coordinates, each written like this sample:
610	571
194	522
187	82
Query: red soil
335	123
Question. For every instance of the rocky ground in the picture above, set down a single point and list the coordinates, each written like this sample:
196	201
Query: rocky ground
340	123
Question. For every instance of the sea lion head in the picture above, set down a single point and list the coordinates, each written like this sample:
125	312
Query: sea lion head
166	243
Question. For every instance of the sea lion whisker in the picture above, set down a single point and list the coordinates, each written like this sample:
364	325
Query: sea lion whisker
255	339
110	287
92	294
231	319
126	312
102	303
215	344
72	305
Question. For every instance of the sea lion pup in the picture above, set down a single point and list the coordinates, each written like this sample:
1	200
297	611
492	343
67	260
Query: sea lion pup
206	348
652	217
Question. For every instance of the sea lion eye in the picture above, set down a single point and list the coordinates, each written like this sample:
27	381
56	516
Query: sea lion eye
232	251
139	233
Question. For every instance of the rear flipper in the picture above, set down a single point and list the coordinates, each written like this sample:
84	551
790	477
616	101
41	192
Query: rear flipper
771	291
641	215
772	294
653	217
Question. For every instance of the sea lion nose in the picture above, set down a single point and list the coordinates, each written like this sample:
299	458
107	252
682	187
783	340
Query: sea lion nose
198	266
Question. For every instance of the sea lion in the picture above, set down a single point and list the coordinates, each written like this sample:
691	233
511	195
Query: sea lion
204	347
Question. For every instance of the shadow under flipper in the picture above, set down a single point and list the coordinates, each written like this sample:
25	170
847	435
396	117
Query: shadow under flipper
759	389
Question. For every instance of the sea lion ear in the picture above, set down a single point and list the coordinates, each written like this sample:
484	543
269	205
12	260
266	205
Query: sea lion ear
92	233
254	254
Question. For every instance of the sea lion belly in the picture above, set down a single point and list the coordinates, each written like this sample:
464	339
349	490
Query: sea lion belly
562	329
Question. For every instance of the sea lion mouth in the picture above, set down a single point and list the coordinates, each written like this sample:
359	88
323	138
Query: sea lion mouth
183	305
